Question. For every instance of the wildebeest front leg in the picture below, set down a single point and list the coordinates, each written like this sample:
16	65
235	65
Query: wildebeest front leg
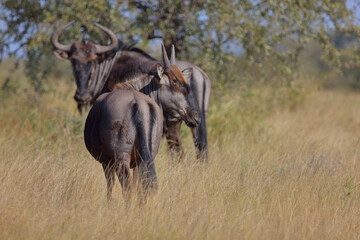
109	175
172	134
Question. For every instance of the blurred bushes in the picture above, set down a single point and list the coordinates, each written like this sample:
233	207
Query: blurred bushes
259	55
229	39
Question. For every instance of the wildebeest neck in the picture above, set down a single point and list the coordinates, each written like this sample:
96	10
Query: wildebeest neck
131	65
144	83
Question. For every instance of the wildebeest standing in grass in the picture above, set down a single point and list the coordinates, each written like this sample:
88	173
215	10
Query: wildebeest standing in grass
99	69
124	127
122	131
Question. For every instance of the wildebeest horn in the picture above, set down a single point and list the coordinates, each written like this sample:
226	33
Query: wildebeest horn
165	57
113	38
172	58
55	37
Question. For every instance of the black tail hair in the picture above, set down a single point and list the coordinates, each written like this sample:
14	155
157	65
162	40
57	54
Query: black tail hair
200	133
145	161
201	139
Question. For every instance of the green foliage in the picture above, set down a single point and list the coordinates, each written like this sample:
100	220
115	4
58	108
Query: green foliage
213	34
37	122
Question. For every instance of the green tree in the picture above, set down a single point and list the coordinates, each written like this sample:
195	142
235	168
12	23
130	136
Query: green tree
210	33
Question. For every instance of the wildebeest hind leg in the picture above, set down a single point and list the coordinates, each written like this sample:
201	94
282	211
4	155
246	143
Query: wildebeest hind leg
147	176
134	166
123	173
110	177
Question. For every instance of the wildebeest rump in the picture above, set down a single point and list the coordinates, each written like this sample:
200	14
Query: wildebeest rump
123	128
97	72
122	131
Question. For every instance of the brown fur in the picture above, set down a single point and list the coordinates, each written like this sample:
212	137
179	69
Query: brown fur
176	75
84	52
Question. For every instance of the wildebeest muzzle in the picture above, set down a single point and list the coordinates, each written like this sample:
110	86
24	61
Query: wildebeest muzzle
192	119
83	97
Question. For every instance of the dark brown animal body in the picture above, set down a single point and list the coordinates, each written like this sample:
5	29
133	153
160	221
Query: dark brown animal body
122	131
120	66
129	72
124	127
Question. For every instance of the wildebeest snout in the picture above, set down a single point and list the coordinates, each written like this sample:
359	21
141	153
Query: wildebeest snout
192	119
83	97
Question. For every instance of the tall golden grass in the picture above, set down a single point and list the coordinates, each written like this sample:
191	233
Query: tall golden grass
274	172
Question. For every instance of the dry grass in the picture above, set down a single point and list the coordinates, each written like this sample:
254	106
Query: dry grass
293	174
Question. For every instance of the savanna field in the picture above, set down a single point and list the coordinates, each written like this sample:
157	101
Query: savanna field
284	164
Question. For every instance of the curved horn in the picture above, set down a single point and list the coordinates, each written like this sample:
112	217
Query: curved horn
172	58
54	38
165	57
111	35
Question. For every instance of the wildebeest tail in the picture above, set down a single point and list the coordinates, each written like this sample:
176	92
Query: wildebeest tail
144	128
201	138
200	134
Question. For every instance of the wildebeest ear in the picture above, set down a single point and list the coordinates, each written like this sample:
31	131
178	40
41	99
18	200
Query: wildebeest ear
160	73
160	70
62	55
187	74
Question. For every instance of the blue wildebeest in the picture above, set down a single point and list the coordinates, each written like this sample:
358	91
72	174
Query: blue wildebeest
124	127
100	69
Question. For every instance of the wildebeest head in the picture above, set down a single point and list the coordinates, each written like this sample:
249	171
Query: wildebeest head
178	101
83	57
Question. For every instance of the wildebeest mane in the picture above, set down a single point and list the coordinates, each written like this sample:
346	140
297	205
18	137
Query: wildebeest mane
134	67
101	73
130	47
